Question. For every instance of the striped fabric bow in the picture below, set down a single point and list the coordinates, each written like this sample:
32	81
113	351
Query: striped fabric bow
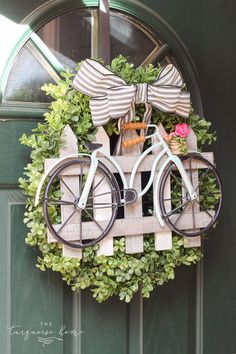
112	98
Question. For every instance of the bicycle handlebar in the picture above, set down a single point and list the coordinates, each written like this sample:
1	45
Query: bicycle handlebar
131	142
134	126
142	138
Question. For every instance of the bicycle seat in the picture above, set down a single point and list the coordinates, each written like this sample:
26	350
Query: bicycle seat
93	146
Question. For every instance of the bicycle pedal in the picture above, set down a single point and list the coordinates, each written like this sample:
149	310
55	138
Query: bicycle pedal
130	195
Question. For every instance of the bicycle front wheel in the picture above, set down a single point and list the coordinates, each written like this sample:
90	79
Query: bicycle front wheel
70	225
185	216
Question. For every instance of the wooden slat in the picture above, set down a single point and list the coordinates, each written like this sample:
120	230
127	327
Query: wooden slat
127	162
163	240
69	141
71	181
106	245
192	241
68	210
72	252
133	244
192	146
147	224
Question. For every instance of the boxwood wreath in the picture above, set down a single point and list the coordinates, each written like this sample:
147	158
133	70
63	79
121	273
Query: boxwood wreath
122	274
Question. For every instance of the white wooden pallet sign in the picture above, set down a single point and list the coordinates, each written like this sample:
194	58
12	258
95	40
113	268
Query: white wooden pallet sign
134	225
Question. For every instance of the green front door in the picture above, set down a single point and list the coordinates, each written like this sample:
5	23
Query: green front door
193	314
33	302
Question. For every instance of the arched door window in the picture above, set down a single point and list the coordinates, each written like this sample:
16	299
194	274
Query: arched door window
70	37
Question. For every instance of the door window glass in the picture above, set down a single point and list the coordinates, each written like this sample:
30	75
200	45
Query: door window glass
69	39
26	77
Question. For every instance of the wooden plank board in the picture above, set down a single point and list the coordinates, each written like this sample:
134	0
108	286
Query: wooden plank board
192	146
127	162
163	240
69	185
68	210
133	244
192	241
147	224
106	245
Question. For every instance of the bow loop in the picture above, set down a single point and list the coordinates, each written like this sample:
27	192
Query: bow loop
169	75
93	79
112	98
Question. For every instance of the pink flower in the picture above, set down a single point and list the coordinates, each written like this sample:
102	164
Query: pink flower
182	130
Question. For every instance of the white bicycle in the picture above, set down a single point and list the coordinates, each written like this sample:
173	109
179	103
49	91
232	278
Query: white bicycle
102	191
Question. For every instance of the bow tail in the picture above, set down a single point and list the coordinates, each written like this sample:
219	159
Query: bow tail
147	114
146	119
170	99
183	106
100	111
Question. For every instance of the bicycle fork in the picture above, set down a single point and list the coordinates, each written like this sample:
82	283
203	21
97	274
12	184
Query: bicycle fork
81	204
185	177
130	194
191	191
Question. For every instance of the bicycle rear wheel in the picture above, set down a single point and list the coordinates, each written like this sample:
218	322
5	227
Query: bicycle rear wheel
186	217
70	225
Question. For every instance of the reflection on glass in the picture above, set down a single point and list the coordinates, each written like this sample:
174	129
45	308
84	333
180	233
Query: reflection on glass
26	78
129	39
69	37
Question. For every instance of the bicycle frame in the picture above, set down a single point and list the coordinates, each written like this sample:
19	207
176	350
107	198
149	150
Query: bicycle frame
165	151
94	163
